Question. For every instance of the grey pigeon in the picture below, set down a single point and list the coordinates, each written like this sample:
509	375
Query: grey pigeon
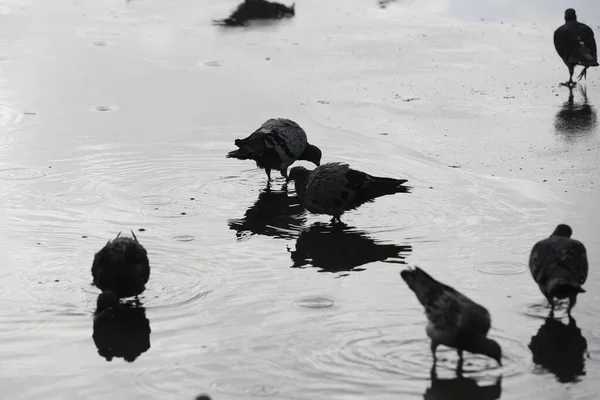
335	188
276	145
559	266
454	319
120	269
575	44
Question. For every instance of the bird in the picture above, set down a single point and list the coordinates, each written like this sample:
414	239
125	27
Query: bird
334	188
120	269
454	320
257	10
277	144
575	44
559	266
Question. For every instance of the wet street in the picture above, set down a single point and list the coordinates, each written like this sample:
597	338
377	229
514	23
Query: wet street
117	115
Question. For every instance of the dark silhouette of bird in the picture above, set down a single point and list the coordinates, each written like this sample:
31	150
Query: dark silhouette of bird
277	144
335	188
461	388
575	44
203	397
275	213
121	331
340	248
454	320
120	269
257	10
560	349
559	266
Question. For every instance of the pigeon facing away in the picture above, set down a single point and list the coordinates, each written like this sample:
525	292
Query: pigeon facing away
335	188
454	319
559	266
276	145
257	10
120	269
575	44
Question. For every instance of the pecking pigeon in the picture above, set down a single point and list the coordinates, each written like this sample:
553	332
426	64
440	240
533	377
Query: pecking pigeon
276	145
559	266
335	188
575	44
251	10
454	319
120	269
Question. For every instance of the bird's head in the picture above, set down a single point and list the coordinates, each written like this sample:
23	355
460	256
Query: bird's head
570	15
312	154
563	230
490	348
106	299
298	175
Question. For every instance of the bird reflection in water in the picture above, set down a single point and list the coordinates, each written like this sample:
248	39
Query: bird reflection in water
561	349
575	120
338	247
275	213
122	331
461	388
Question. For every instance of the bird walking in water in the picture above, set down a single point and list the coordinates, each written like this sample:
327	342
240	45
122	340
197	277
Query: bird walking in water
335	188
120	269
277	144
559	266
575	44
454	320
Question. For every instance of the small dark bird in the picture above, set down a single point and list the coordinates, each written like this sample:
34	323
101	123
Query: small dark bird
257	10
454	319
120	269
575	44
559	266
277	144
203	397
335	188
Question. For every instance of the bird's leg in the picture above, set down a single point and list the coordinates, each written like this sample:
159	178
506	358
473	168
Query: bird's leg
268	171
459	365
433	347
551	301
583	74
570	82
572	302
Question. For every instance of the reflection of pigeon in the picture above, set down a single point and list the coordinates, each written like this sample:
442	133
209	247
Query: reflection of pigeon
257	10
335	188
121	267
122	332
576	120
461	388
276	145
560	349
454	319
559	266
575	44
336	248
275	213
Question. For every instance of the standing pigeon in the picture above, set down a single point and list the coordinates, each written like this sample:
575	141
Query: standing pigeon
575	44
276	145
335	188
454	319
559	266
120	269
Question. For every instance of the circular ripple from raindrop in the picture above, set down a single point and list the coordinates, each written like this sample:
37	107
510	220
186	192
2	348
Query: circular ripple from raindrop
20	174
392	353
103	108
154	200
242	387
501	268
184	238
316	302
79	199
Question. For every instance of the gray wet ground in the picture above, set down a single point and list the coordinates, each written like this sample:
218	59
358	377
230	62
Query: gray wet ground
117	115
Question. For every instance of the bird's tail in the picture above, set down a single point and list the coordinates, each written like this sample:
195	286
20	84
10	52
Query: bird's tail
583	56
421	283
380	186
562	288
242	153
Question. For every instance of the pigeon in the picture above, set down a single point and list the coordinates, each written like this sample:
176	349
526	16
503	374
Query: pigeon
454	319
559	266
276	145
120	269
575	44
256	10
335	188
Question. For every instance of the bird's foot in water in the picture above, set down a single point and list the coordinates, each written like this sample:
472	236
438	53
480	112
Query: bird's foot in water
583	74
569	84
